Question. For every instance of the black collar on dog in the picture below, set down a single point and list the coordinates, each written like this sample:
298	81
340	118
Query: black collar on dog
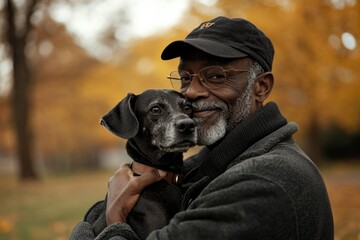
171	162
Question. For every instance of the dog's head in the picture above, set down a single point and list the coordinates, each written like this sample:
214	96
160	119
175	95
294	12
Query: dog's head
161	118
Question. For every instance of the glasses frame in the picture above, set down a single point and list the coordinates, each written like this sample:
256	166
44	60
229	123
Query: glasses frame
202	81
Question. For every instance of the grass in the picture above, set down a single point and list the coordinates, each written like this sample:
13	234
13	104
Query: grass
49	209
343	184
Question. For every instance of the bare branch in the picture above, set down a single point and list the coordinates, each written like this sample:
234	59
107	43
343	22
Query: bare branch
11	28
29	11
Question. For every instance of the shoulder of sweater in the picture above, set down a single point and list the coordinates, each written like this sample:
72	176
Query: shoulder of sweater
266	174
285	164
284	157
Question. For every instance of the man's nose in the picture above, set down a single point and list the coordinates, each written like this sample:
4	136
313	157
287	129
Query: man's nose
196	89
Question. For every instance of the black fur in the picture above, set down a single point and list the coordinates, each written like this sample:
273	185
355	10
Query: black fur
159	127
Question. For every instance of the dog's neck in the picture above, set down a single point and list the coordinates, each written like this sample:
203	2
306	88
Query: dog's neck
154	157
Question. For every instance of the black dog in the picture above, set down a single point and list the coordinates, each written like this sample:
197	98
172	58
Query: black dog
159	128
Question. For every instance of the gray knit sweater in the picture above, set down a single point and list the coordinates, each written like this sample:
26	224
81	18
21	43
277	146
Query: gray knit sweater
256	183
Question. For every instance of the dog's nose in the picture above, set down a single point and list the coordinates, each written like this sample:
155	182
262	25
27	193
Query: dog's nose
185	125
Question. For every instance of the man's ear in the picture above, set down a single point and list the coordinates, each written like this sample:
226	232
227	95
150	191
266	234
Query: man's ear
263	86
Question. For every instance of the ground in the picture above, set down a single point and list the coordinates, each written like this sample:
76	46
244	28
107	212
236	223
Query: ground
343	184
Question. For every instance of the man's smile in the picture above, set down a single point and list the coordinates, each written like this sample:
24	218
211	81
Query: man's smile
206	112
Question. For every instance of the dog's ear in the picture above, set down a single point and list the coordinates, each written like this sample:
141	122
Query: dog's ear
121	120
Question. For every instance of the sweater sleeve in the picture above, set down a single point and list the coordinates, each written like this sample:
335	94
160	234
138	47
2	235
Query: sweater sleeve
94	227
118	231
235	206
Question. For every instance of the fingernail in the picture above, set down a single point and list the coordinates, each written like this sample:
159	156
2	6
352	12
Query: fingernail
162	173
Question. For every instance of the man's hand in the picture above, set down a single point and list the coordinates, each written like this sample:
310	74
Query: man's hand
124	190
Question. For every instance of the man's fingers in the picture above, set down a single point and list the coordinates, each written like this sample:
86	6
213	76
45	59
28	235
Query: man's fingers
124	190
139	183
123	171
124	176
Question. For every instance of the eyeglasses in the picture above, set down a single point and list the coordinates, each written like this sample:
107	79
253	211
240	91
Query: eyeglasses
210	77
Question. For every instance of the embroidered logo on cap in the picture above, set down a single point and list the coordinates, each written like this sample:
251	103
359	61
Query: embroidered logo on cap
206	25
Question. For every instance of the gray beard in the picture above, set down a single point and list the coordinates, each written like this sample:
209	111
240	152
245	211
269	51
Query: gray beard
241	110
238	113
213	133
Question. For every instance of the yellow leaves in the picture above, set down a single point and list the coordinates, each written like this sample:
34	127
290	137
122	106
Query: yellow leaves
6	225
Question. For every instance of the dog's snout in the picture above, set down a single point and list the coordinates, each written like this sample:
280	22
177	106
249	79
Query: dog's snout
185	125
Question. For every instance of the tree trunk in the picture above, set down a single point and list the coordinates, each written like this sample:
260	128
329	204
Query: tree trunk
21	108
20	93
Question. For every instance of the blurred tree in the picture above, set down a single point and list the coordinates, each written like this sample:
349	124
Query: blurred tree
317	75
63	119
48	66
18	29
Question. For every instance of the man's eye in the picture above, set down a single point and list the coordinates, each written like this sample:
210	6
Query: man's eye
185	78
155	110
216	77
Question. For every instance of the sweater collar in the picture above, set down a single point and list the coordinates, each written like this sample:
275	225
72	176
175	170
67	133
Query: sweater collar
260	124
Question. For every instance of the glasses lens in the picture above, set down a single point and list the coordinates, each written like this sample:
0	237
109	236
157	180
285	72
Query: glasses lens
212	77
175	80
180	80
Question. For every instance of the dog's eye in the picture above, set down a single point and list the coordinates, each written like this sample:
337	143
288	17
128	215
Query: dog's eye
155	110
188	109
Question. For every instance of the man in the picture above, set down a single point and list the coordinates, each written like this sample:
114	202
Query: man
251	181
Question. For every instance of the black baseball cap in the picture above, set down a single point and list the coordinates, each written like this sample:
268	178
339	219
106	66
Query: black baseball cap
226	38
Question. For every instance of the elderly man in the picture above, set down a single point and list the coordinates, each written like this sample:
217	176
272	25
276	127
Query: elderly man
251	180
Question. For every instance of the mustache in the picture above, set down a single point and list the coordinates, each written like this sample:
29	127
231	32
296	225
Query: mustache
202	105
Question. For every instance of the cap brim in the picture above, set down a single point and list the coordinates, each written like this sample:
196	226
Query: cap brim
176	49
